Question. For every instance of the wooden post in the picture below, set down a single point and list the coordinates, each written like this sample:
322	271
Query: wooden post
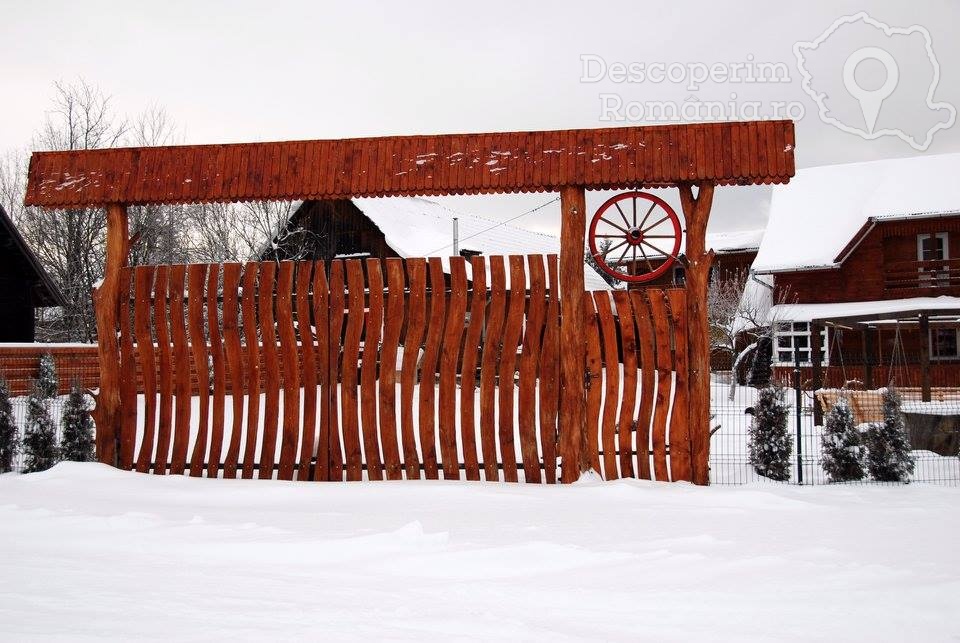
106	299
572	416
696	212
816	345
867	358
925	358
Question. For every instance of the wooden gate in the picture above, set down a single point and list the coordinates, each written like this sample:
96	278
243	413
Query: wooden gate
398	369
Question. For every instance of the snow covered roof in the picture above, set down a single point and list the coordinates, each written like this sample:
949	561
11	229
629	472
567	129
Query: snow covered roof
892	307
416	227
814	216
734	241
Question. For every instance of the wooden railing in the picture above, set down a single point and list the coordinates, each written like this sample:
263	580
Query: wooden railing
922	275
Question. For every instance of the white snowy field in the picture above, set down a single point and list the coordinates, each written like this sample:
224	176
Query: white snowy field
88	551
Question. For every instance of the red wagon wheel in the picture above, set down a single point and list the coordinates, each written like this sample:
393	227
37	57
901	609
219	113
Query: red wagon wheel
638	230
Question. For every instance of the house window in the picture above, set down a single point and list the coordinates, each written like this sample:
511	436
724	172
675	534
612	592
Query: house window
932	249
679	275
792	336
944	343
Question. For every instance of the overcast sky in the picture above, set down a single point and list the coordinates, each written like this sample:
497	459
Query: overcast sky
258	71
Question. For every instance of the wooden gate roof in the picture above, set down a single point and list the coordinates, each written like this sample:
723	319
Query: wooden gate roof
741	153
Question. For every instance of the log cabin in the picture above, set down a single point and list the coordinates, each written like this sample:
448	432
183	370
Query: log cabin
24	285
862	266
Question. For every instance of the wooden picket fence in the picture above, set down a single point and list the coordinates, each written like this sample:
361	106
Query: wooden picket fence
397	369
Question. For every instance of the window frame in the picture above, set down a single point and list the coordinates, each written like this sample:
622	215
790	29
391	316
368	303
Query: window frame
778	332
930	344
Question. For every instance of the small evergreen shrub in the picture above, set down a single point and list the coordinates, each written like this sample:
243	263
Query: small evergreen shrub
76	443
9	435
844	456
40	439
770	444
889	458
47	381
760	369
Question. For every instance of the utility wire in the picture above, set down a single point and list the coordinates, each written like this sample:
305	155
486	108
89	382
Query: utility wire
496	225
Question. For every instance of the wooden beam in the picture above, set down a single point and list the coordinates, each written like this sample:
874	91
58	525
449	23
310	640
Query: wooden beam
924	358
816	345
572	416
696	212
867	358
106	299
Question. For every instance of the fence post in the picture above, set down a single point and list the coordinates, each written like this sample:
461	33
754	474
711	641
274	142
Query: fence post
799	412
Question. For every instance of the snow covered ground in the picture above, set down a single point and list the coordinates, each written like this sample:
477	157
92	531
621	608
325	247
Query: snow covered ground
88	551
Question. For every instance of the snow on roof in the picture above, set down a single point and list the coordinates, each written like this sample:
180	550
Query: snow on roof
734	241
814	216
416	227
808	312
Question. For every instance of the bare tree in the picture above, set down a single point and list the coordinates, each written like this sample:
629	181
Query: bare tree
241	231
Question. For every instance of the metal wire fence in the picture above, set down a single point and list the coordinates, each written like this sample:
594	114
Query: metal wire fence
75	364
932	429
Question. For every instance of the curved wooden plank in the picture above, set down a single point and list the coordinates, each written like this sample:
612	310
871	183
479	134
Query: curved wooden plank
128	372
308	373
252	349
417	274
648	370
468	368
335	343
428	369
219	373
549	376
181	371
161	320
611	393
488	367
289	358
529	360
234	357
594	384
271	369
349	370
196	282
449	356
512	328
388	369
321	320
628	398
681	462
661	332
143	287
368	372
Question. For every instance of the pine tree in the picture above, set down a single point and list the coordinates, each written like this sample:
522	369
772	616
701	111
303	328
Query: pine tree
47	381
842	444
9	436
760	371
77	438
40	439
889	458
770	444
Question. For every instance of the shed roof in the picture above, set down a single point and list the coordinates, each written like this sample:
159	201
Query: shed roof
43	291
741	153
814	219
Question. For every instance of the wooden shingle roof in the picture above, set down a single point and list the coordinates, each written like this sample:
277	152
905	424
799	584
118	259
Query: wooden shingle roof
757	152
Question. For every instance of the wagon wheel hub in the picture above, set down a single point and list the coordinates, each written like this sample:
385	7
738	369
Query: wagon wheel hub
634	236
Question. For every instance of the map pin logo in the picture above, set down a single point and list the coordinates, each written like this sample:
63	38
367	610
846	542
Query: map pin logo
871	100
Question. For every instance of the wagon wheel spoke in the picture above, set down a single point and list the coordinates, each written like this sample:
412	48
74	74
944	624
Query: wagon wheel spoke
646	258
610	249
647	215
607	221
609	236
658	236
622	215
658	250
650	227
620	260
634	211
